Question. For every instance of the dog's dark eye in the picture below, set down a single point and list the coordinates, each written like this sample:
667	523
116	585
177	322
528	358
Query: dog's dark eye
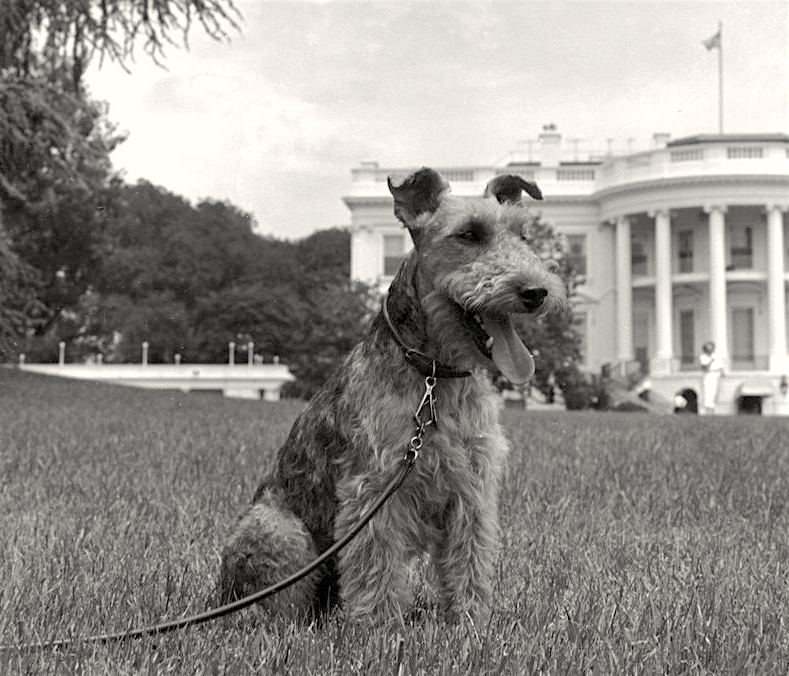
473	233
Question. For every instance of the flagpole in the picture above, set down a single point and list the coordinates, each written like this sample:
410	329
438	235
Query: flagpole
720	77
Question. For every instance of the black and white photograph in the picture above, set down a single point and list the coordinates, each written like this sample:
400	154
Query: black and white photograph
396	338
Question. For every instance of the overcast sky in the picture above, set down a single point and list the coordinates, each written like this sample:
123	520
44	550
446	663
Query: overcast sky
274	120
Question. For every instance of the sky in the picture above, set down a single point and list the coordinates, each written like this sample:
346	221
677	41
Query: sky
274	119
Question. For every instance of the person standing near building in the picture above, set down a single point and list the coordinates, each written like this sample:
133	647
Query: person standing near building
712	369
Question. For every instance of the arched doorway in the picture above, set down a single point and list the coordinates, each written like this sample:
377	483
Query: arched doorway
749	405
691	401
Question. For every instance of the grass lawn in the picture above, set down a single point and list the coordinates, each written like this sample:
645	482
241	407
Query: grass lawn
633	544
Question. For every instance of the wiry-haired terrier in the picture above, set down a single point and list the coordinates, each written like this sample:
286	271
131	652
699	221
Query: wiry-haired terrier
446	321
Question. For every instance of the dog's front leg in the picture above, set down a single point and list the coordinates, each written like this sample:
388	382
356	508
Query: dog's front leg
465	559
469	545
373	566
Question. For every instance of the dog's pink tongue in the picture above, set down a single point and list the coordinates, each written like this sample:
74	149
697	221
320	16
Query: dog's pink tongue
509	353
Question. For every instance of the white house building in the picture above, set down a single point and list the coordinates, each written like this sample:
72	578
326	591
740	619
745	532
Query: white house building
680	244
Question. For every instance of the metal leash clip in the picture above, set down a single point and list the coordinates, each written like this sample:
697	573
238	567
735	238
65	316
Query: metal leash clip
427	404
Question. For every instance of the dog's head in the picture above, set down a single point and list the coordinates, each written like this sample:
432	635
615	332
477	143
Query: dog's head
474	267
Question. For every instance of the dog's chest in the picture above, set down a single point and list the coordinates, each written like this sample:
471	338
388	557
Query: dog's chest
466	438
466	408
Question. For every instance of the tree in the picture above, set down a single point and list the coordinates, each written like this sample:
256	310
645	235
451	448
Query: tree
191	279
48	125
299	305
55	141
273	317
54	160
214	249
337	311
338	316
132	246
324	256
119	325
20	309
56	37
552	337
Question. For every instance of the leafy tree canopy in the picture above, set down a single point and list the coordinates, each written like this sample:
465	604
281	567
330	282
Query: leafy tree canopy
52	37
552	337
55	142
49	129
20	307
190	279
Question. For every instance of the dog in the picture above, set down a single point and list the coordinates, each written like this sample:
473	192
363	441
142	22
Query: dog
445	329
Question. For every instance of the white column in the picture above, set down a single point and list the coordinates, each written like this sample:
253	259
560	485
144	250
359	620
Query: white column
776	288
367	256
664	311
718	323
624	292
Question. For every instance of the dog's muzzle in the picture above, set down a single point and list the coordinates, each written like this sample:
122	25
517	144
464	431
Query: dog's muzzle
533	297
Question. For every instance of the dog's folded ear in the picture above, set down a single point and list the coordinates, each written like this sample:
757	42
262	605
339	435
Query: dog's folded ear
508	188
416	194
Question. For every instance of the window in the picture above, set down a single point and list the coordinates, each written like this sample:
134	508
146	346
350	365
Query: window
742	342
580	326
687	155
742	247
641	339
687	338
686	251
638	257
744	152
394	250
576	253
575	174
638	161
642	357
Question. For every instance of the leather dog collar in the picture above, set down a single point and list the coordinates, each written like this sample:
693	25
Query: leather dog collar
427	367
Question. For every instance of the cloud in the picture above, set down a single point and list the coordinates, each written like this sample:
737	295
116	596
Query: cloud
275	120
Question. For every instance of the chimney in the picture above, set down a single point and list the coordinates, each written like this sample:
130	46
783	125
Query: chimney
550	146
366	173
660	139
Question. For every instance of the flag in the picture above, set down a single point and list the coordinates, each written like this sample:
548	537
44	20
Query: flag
714	42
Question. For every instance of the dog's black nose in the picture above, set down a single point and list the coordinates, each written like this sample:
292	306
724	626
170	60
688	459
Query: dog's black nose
533	297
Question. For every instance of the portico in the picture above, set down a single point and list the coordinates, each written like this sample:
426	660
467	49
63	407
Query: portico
735	270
